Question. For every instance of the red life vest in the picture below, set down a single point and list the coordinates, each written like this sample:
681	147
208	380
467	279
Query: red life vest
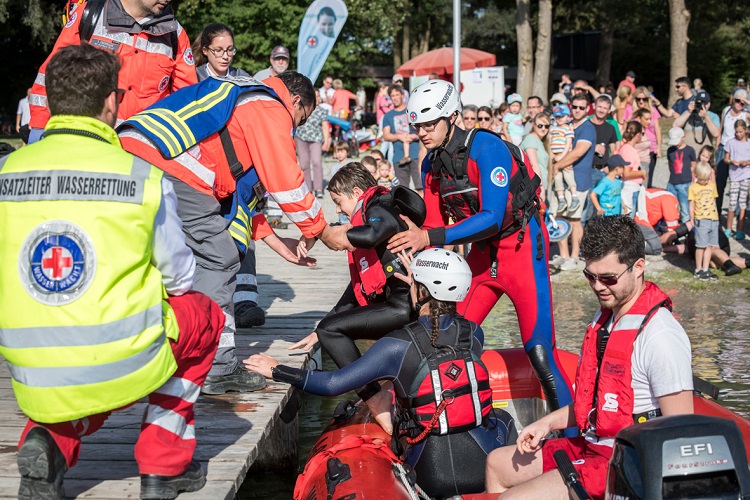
452	373
365	268
461	196
610	399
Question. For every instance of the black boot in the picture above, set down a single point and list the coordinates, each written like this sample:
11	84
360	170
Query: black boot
240	380
247	314
167	487
42	467
730	268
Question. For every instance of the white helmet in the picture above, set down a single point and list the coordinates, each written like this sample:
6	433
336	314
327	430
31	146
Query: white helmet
445	274
432	100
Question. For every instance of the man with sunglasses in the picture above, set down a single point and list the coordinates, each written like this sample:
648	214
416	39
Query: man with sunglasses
242	148
477	190
635	365
580	159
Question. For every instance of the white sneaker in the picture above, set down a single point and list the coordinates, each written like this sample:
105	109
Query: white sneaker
569	265
557	261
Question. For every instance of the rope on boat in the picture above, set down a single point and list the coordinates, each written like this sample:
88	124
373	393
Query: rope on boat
415	492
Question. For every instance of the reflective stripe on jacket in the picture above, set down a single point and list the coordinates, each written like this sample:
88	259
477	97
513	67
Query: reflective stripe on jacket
82	322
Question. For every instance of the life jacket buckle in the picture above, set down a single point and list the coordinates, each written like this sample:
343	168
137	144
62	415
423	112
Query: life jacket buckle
447	396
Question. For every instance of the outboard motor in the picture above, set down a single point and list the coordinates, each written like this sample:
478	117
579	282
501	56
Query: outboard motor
682	456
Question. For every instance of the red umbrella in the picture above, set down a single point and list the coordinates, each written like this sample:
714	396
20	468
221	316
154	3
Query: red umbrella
440	61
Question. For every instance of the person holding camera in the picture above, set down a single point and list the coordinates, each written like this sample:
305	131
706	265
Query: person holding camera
691	113
701	125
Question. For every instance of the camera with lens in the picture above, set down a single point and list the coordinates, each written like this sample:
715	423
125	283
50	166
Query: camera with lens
699	104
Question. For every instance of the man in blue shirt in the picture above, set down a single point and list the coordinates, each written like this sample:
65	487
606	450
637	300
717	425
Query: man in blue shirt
581	159
396	129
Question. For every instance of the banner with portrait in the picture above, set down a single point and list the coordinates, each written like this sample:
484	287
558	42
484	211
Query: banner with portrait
321	26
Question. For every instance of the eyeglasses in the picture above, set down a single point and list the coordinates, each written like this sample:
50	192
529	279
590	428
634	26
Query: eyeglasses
305	117
230	51
120	95
581	108
427	127
606	279
542	125
485	118
278	58
473	118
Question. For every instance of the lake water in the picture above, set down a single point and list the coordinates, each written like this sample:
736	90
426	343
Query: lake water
717	324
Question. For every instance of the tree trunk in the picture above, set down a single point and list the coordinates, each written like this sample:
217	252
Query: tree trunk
525	48
543	51
405	42
606	44
679	19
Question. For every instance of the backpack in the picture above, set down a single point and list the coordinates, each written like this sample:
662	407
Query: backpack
460	196
91	13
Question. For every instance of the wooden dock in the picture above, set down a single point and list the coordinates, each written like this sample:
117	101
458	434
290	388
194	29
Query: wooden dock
234	431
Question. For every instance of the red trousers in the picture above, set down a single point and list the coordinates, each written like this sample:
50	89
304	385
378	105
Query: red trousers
590	460
167	440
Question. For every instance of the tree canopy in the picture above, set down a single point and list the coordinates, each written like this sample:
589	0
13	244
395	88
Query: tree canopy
387	33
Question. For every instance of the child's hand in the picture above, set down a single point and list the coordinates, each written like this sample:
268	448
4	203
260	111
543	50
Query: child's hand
406	257
599	212
569	168
304	246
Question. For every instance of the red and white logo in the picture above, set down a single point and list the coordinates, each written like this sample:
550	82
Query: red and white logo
312	42
188	56
57	263
163	84
499	177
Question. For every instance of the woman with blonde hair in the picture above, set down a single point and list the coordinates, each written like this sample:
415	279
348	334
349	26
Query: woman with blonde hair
643	100
536	147
633	175
623	105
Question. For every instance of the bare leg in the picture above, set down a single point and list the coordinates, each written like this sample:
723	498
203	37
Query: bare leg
520	476
380	407
730	219
699	258
706	258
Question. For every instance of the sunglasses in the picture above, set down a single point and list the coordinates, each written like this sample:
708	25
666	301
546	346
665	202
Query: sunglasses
581	108
484	118
606	279
641	99
542	125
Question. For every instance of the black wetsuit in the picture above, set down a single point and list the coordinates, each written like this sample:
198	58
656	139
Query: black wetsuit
391	310
446	465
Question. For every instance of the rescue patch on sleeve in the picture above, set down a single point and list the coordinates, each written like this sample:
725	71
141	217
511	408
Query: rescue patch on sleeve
499	177
72	19
188	56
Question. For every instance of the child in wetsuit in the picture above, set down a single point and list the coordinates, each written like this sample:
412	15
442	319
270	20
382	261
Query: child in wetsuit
376	302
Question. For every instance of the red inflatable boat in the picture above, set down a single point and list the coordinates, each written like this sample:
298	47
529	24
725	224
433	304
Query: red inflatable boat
352	458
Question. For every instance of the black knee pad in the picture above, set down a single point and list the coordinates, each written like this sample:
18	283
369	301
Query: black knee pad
681	230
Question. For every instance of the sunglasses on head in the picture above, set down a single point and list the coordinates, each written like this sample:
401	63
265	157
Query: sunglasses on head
579	107
606	279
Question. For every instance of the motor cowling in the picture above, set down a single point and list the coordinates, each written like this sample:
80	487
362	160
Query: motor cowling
682	456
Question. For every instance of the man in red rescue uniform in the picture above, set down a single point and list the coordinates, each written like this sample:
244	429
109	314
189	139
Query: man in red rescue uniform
261	130
153	48
643	374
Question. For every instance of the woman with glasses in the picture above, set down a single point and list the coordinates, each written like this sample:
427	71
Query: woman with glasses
469	114
484	115
536	147
214	50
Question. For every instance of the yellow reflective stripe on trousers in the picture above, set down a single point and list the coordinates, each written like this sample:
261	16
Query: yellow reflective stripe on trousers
205	103
83	375
177	123
79	336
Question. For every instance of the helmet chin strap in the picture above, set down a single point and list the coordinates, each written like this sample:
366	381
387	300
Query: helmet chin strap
447	135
